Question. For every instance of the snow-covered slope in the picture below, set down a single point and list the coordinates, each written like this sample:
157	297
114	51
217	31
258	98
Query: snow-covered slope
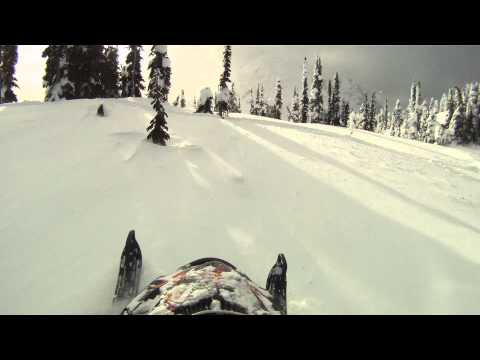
369	224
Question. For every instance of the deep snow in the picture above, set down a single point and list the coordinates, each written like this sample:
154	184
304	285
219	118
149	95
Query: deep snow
369	224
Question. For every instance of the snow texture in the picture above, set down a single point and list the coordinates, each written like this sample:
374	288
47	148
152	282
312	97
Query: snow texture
369	224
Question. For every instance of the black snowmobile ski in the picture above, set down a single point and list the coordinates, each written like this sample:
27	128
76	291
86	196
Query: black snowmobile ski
277	284
130	270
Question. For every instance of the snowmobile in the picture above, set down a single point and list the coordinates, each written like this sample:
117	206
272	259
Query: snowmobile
207	286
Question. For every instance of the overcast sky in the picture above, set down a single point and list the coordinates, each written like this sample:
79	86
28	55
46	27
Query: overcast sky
389	69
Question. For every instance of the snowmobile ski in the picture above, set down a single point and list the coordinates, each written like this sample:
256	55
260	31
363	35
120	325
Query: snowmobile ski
277	284
130	270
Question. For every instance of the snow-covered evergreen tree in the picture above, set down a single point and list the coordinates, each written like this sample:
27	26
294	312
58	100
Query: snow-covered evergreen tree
227	56
124	82
451	106
270	109
256	110
134	71
183	103
372	112
110	73
344	113
425	119
364	114
160	73
456	125
413	96
262	106
84	66
55	80
410	126
379	121
205	101
215	102
224	98
316	98
355	118
252	103
386	116
158	90
474	112
397	120
305	102
336	101
432	122
443	103
418	94
8	60
278	101
233	104
467	125
294	114
329	119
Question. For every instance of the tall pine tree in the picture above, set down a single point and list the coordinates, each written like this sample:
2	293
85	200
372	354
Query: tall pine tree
456	126
474	112
55	80
252	103
344	113
305	101
397	120
372	112
84	65
365	114
8	60
233	104
262	104
134	78
316	98
278	101
110	74
182	100
123	82
158	89
257	101
386	116
330	105
227	60
224	95
295	114
336	100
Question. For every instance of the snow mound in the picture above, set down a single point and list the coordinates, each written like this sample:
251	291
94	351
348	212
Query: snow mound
205	94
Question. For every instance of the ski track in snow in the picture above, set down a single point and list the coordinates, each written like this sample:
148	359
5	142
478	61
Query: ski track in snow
369	224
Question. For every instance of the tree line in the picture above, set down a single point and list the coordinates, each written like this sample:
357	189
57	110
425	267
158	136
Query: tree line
455	118
307	106
93	71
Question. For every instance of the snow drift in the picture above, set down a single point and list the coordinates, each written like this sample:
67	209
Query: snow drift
369	224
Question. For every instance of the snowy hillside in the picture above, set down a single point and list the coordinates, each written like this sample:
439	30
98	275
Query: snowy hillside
369	224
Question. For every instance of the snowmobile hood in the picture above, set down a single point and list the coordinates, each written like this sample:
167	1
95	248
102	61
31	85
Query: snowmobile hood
206	286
